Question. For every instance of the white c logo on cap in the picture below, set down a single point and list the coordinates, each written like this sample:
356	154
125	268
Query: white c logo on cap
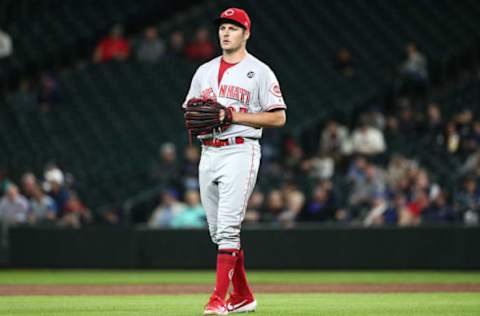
229	12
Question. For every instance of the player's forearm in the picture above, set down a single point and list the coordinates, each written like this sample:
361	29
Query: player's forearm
261	119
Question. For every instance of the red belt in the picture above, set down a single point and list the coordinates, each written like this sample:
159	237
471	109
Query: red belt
222	142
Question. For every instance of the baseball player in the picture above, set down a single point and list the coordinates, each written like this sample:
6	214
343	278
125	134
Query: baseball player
244	96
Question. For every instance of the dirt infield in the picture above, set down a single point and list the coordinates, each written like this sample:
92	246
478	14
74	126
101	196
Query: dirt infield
14	290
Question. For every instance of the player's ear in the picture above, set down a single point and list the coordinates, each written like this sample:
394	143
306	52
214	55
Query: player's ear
246	34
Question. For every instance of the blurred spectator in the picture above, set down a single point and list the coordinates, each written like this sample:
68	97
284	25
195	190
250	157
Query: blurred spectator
273	207
344	63
375	215
374	117
368	140
295	201
467	201
169	207
165	171
396	207
29	184
471	165
190	168
439	211
4	181
56	189
6	47
202	48
292	161
411	215
112	47
357	170
434	126
321	167
414	68
464	127
75	213
397	170
192	215
14	207
366	189
150	48
452	138
48	93
408	122
321	207
6	50
475	137
176	45
43	207
254	207
334	140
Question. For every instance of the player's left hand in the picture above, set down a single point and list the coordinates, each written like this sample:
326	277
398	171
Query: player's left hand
205	116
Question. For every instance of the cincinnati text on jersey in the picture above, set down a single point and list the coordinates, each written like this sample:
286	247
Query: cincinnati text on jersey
234	93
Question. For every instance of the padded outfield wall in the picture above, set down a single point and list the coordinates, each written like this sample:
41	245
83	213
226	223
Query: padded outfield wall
301	248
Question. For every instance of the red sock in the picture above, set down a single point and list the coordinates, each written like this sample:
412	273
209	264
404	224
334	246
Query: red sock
226	260
239	281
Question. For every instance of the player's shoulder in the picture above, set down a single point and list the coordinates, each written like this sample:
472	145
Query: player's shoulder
260	65
209	64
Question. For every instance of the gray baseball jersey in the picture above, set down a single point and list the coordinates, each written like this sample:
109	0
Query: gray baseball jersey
227	174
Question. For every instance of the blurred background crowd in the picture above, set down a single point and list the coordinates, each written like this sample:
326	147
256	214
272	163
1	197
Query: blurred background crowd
381	131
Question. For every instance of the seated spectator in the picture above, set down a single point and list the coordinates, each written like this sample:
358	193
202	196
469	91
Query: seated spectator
321	167
321	207
112	47
14	207
254	207
43	207
357	170
150	48
165	171
411	215
48	93
192	215
76	214
4	181
176	45
169	207
467	202
56	189
374	117
29	184
334	140
202	48
375	215
395	208
273	208
366	190
368	140
434	125
190	168
471	165
295	201
344	63
439	211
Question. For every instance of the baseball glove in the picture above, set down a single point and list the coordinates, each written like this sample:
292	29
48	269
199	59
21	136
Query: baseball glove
202	117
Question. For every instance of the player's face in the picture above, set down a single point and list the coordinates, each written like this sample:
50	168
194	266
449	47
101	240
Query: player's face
232	37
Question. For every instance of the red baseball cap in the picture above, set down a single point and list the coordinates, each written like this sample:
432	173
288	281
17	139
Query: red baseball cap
235	16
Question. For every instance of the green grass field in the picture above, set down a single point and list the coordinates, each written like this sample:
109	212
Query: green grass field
341	304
